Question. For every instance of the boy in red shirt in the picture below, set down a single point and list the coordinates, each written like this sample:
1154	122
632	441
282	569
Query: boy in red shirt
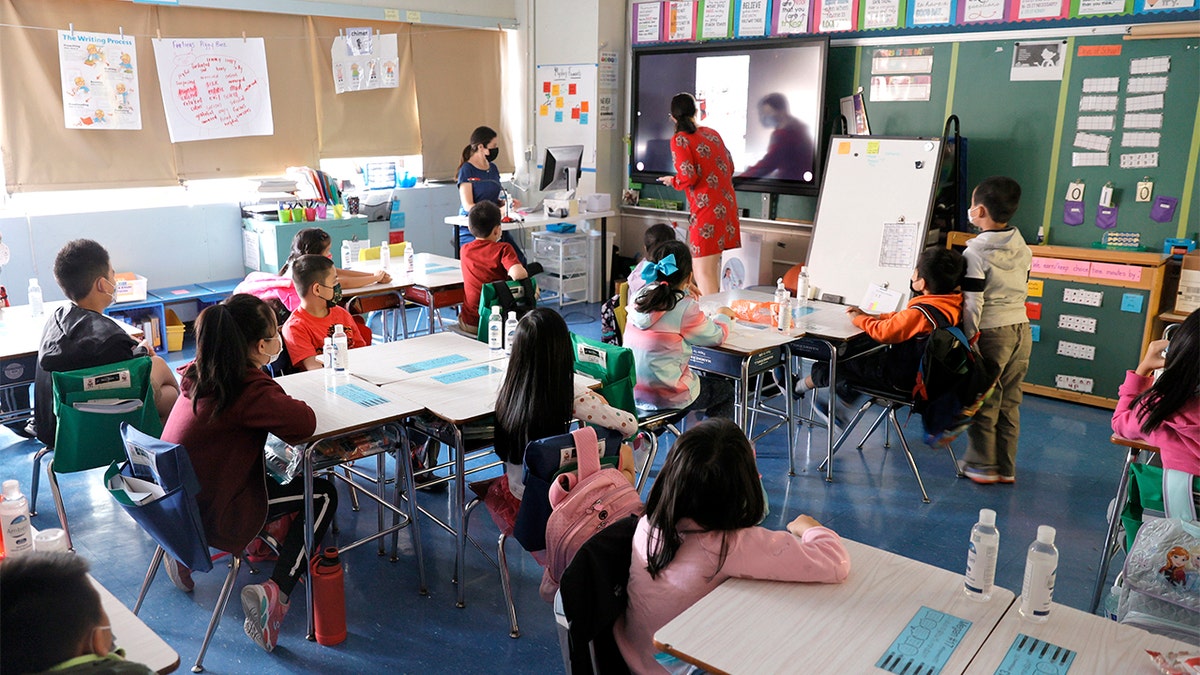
484	260
305	331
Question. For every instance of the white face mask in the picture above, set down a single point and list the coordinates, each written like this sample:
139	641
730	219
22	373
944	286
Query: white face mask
273	357
113	294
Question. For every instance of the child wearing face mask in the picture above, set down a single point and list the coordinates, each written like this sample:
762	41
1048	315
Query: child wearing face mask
228	407
306	329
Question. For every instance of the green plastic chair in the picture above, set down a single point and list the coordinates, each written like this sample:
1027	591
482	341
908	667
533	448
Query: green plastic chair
90	437
519	295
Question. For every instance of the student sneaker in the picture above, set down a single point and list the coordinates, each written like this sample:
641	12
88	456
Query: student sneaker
1007	480
179	575
845	410
264	613
981	476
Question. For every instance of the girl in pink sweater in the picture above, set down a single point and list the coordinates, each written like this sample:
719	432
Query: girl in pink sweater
1166	413
700	529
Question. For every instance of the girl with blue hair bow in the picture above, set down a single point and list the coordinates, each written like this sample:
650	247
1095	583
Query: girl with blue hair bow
664	323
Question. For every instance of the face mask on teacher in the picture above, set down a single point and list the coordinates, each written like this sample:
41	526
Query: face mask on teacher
493	153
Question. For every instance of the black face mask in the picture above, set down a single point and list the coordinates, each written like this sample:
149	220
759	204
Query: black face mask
914	291
493	153
337	295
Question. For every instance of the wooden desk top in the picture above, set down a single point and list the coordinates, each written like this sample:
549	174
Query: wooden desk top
337	415
141	644
385	363
751	626
1100	645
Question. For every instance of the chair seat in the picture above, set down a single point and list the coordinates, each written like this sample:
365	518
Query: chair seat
658	420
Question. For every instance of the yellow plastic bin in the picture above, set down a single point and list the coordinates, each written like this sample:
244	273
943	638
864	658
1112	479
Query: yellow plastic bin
174	332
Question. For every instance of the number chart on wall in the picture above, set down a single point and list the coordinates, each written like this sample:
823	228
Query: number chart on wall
566	109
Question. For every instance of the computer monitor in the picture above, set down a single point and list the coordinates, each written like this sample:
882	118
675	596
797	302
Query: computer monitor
561	167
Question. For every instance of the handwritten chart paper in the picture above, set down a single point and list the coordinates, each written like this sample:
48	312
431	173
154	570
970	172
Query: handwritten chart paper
925	644
214	88
1100	270
375	68
791	16
982	10
899	245
99	81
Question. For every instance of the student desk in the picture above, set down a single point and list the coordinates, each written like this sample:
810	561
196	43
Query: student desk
752	626
539	220
1100	645
336	416
418	357
431	275
141	644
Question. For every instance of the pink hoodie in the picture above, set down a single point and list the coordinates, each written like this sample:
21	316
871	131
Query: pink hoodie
1177	437
754	553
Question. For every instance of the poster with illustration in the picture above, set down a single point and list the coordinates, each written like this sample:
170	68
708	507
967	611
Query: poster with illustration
99	81
1038	61
360	65
214	87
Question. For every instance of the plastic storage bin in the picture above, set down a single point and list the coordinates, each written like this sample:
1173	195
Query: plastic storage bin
130	288
175	330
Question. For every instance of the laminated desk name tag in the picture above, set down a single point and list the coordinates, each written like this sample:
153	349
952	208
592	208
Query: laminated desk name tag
114	380
1163	210
1073	212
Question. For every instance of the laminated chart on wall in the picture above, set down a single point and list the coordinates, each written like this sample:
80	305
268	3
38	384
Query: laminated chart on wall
99	81
566	108
214	87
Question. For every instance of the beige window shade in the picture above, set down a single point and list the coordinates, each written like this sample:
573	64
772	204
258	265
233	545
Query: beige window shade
40	153
458	89
364	123
293	104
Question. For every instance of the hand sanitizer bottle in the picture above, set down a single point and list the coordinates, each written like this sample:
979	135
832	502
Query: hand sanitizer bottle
409	257
330	358
510	331
35	298
803	288
385	255
495	329
341	345
14	519
981	557
345	253
1041	565
783	306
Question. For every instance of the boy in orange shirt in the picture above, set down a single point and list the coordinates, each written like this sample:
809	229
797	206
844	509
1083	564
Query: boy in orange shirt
485	260
305	330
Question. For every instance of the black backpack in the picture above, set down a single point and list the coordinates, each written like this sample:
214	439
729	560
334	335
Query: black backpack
953	381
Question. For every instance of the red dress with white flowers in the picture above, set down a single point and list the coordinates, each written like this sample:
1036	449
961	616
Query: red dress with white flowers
704	171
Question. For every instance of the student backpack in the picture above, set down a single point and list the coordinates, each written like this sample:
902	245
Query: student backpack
953	381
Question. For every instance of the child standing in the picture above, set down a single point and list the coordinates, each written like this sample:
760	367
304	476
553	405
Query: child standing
228	407
484	260
995	290
701	528
664	322
1166	412
314	320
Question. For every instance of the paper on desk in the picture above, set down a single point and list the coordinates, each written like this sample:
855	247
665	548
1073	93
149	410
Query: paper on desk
879	300
1031	655
925	644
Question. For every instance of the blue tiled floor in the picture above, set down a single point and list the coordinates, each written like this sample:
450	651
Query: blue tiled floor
1066	476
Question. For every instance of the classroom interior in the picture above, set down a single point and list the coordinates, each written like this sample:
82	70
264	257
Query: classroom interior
179	221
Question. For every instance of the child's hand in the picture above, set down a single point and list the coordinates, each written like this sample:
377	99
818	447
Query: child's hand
854	312
1155	357
801	524
382	277
726	311
693	290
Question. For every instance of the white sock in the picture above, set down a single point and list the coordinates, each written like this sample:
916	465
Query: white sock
802	386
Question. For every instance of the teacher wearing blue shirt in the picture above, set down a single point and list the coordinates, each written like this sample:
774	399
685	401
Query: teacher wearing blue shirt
479	181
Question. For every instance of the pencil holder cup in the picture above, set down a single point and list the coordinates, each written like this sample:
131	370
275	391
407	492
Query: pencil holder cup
298	214
310	214
321	211
285	215
337	210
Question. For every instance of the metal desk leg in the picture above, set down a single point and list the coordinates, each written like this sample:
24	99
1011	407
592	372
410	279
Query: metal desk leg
604	259
457	242
432	305
829	427
1111	535
309	537
741	393
790	407
460	502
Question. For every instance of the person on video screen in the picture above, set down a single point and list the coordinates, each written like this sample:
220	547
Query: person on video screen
789	153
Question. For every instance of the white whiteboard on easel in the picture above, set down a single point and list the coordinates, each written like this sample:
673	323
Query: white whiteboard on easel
872	214
565	109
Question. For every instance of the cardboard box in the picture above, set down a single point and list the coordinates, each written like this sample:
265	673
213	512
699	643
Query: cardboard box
1187	300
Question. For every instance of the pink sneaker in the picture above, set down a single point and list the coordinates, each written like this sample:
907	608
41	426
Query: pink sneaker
264	613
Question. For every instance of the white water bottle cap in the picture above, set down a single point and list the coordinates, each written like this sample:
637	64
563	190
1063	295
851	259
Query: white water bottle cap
1045	534
53	539
987	517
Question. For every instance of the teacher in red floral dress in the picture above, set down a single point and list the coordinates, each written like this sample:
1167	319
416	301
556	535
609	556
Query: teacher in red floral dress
704	170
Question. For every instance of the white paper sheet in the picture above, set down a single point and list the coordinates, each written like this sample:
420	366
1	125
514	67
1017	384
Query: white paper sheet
1150	65
1095	85
1143	120
1089	159
1140	103
1139	160
1096	123
1092	141
1147	85
1098	103
1140	139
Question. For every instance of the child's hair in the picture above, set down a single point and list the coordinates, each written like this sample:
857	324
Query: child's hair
307	270
1000	195
662	294
1180	379
224	334
483	218
78	265
48	607
683	109
310	240
657	234
481	136
942	269
536	398
710	477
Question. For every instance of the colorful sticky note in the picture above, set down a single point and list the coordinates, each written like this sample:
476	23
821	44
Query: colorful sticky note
1035	287
558	102
1131	302
544	110
583	118
1033	310
571	89
1035	331
558	116
546	87
844	148
583	105
575	113
556	90
873	147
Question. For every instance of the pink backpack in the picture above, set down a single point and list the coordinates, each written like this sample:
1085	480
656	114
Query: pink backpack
583	504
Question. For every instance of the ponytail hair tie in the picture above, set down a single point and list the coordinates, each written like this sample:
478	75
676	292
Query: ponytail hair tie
665	267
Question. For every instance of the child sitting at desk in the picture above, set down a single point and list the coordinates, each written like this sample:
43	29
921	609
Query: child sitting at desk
228	407
934	287
306	329
701	528
484	260
80	336
664	322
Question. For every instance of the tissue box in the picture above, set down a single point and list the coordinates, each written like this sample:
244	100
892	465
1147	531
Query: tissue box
598	202
1187	300
561	208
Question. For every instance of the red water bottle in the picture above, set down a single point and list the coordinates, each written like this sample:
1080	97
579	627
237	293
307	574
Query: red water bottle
329	598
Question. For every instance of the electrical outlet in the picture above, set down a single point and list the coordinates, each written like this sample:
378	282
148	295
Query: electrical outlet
1074	383
1076	351
1078	296
1079	324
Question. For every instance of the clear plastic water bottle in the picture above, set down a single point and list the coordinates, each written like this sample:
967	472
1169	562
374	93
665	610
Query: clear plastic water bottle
783	306
346	254
409	257
1041	566
330	358
981	557
803	288
510	331
495	329
35	298
385	255
341	345
14	519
